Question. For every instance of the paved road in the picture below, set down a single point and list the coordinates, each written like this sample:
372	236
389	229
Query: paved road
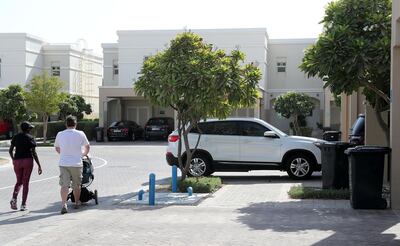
120	169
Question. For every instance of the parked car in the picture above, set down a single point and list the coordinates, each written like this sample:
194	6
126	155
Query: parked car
159	127
358	131
128	130
6	129
244	144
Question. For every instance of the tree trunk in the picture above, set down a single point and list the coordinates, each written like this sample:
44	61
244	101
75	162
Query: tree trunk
381	122
296	127
180	165
45	120
377	91
188	152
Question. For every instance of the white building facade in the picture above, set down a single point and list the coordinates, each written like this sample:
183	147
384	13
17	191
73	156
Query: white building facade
23	56
284	75
123	61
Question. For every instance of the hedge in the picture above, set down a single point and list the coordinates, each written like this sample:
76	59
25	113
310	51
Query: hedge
200	184
300	192
53	127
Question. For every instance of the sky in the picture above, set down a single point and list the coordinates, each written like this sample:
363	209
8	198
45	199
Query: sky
97	21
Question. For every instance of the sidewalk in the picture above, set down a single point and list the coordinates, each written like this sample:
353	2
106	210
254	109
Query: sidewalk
246	211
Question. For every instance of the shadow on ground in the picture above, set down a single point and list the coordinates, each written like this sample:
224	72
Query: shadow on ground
260	179
53	209
348	226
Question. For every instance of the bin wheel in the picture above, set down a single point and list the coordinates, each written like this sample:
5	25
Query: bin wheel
96	197
299	166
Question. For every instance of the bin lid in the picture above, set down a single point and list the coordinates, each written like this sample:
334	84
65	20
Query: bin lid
368	149
332	132
332	144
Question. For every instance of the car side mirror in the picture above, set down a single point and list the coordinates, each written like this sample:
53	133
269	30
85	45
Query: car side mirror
270	134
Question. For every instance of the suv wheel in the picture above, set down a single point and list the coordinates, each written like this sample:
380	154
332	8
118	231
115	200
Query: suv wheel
199	166
299	166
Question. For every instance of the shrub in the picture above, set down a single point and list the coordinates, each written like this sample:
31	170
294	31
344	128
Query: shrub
53	128
200	184
300	192
87	126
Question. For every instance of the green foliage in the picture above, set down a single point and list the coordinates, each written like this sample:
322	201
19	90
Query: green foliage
53	127
73	105
354	49
199	82
300	192
295	106
201	184
87	126
43	94
13	104
43	97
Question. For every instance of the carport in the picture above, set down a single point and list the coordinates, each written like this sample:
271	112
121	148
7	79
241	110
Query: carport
118	103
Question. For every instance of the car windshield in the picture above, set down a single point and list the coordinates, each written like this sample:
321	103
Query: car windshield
157	121
119	123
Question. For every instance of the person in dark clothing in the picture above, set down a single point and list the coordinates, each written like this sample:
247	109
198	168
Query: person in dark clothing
24	145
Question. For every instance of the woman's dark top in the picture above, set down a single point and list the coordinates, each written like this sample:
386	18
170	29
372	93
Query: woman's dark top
23	143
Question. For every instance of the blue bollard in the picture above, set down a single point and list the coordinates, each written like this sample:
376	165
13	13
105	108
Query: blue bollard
174	178
190	191
152	189
140	195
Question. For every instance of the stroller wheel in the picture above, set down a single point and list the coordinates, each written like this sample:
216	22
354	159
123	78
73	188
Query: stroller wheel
96	198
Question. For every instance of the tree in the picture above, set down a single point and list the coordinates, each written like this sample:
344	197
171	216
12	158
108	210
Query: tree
354	51
73	105
43	97
199	82
13	105
293	105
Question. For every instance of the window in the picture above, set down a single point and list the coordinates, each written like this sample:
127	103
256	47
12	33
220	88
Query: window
252	129
205	128
115	68
226	128
217	128
281	66
55	69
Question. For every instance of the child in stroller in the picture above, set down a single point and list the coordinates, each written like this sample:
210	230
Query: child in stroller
87	179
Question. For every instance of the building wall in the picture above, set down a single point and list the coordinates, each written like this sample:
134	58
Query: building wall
21	58
110	57
395	106
134	46
291	51
24	56
58	55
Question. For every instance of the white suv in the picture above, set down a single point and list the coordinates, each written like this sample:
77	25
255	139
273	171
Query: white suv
244	144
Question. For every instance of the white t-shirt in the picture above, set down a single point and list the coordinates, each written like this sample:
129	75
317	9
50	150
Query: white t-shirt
70	142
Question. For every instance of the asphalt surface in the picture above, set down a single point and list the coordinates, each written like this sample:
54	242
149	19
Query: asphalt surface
120	168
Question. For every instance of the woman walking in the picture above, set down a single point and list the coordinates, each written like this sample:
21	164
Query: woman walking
25	152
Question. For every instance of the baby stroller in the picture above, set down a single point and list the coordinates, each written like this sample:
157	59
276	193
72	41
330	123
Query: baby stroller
87	179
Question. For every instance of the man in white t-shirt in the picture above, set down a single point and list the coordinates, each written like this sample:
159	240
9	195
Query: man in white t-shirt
72	145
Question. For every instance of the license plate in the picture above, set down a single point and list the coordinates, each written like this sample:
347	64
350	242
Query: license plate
117	130
155	129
